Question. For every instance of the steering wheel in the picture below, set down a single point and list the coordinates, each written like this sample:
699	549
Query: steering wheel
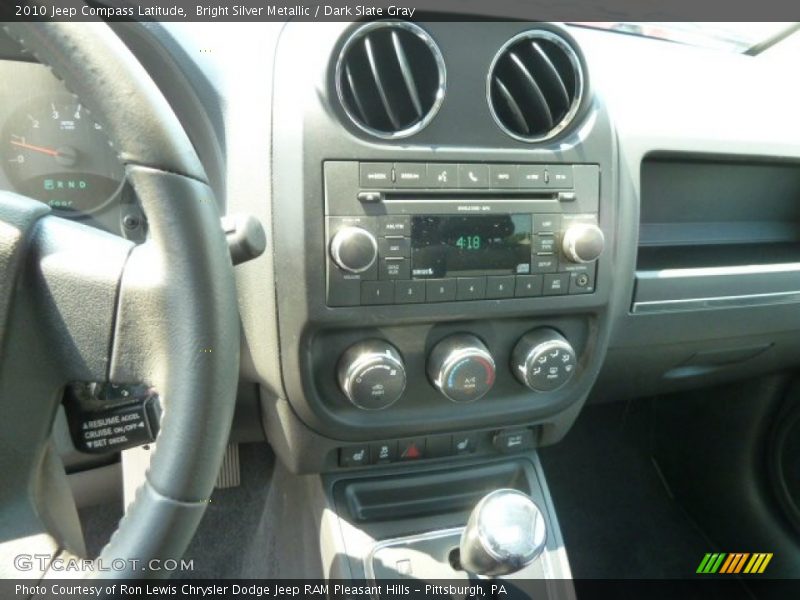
81	305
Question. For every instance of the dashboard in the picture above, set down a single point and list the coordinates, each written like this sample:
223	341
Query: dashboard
475	228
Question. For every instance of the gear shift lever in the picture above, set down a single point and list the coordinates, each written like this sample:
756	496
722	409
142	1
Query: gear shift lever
505	533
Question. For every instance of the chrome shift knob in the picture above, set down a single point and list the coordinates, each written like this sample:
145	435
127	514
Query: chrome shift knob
505	533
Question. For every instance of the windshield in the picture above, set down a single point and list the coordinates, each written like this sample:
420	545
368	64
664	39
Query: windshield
734	37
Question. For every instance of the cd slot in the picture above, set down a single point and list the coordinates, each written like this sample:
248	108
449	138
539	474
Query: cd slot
483	203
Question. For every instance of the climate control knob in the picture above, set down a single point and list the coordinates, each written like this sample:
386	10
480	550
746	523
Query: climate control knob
354	249
461	368
543	360
583	242
372	375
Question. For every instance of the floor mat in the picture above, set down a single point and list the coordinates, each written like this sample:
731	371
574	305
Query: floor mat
218	550
98	523
229	524
616	515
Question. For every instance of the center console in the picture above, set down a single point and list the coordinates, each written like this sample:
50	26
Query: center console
444	267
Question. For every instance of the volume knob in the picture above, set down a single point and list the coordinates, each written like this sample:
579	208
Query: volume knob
354	249
583	242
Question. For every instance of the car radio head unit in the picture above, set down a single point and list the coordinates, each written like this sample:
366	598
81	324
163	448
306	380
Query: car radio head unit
402	233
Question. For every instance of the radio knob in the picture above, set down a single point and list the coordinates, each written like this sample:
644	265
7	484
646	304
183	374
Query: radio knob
583	242
461	368
354	249
372	375
543	360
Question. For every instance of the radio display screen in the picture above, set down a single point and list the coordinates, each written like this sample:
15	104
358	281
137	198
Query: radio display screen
455	245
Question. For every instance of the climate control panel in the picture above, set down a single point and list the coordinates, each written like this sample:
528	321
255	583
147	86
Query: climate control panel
372	374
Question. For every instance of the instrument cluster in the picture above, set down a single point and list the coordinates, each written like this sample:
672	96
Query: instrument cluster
53	150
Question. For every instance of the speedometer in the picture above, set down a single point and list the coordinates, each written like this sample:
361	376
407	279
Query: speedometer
55	152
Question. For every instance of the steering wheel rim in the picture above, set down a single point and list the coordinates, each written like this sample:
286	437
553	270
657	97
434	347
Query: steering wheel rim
163	313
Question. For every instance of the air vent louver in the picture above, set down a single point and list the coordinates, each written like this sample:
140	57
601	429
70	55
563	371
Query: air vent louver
390	78
535	86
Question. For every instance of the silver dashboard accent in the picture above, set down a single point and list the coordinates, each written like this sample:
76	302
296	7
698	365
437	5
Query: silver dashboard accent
732	279
742	301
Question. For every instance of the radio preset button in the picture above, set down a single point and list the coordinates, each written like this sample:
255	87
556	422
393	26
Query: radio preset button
376	175
410	175
394	268
528	285
471	288
556	284
441	175
501	286
440	290
409	292
473	176
377	292
394	225
504	176
394	247
531	176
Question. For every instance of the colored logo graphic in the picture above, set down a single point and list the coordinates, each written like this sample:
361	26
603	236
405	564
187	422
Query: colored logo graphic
737	562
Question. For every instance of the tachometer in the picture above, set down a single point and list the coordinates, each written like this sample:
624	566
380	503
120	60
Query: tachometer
55	152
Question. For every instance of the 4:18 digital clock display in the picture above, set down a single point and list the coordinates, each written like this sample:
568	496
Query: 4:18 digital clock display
454	245
469	242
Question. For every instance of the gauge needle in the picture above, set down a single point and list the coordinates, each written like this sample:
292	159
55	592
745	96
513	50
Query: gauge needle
42	149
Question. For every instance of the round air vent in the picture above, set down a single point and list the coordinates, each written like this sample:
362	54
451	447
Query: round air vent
535	85
390	78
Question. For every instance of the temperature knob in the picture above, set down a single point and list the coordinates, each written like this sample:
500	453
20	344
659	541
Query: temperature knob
354	249
372	375
543	360
461	368
583	242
